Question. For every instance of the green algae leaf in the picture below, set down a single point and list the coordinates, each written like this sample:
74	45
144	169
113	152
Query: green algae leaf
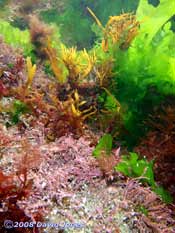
132	166
105	144
165	195
172	68
153	18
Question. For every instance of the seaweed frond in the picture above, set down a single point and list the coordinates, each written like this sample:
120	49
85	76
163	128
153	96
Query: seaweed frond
31	70
56	64
95	18
75	107
71	61
104	72
39	33
79	64
70	115
88	66
121	29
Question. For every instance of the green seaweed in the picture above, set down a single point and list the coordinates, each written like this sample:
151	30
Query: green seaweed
18	109
153	18
132	166
15	37
145	71
104	145
165	195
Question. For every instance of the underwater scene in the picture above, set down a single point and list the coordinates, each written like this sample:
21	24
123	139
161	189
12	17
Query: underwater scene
87	116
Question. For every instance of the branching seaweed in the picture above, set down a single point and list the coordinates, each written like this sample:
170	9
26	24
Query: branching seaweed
69	116
79	64
56	64
120	30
